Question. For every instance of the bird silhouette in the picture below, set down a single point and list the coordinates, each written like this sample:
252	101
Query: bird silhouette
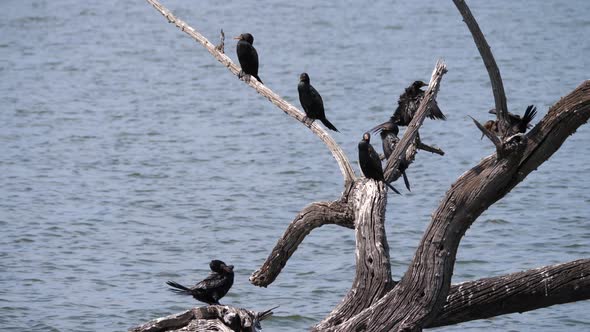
408	104
370	162
247	55
213	287
389	139
312	102
515	124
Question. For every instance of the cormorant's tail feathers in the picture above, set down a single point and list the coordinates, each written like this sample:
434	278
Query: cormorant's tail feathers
406	181
378	128
392	188
328	124
179	288
529	114
258	78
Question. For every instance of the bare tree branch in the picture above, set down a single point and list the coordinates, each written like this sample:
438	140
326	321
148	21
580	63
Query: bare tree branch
517	292
341	159
412	131
488	60
428	148
313	216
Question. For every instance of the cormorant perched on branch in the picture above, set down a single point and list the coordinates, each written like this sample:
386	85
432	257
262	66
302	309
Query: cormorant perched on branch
311	101
408	104
389	140
370	161
212	288
515	124
247	55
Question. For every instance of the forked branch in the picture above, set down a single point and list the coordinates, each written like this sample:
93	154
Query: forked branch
341	159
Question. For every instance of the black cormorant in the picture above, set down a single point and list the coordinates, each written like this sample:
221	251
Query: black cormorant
212	288
516	124
388	131
311	101
247	55
408	104
370	161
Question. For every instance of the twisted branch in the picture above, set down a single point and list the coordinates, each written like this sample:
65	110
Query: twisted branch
313	216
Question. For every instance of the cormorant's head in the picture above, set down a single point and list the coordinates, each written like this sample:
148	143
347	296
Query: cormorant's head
418	84
390	127
246	37
220	267
216	265
367	137
228	268
304	78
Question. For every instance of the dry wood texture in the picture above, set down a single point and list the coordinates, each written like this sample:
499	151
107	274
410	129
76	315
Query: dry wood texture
516	292
210	318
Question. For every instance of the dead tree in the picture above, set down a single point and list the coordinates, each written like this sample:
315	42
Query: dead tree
424	297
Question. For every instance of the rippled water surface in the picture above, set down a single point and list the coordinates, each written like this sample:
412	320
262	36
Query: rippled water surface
129	156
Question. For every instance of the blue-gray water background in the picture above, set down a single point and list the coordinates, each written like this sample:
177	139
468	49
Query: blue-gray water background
129	156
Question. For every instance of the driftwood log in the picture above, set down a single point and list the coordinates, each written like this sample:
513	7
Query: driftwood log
211	318
424	297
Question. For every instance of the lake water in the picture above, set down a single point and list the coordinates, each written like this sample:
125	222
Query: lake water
129	156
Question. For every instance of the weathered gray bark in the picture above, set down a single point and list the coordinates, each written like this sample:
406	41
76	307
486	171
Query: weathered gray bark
516	292
209	318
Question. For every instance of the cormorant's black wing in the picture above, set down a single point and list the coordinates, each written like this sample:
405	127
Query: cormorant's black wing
388	143
316	98
375	161
213	280
435	112
248	58
405	110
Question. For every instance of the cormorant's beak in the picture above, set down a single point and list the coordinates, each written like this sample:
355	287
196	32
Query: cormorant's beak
228	268
238	37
